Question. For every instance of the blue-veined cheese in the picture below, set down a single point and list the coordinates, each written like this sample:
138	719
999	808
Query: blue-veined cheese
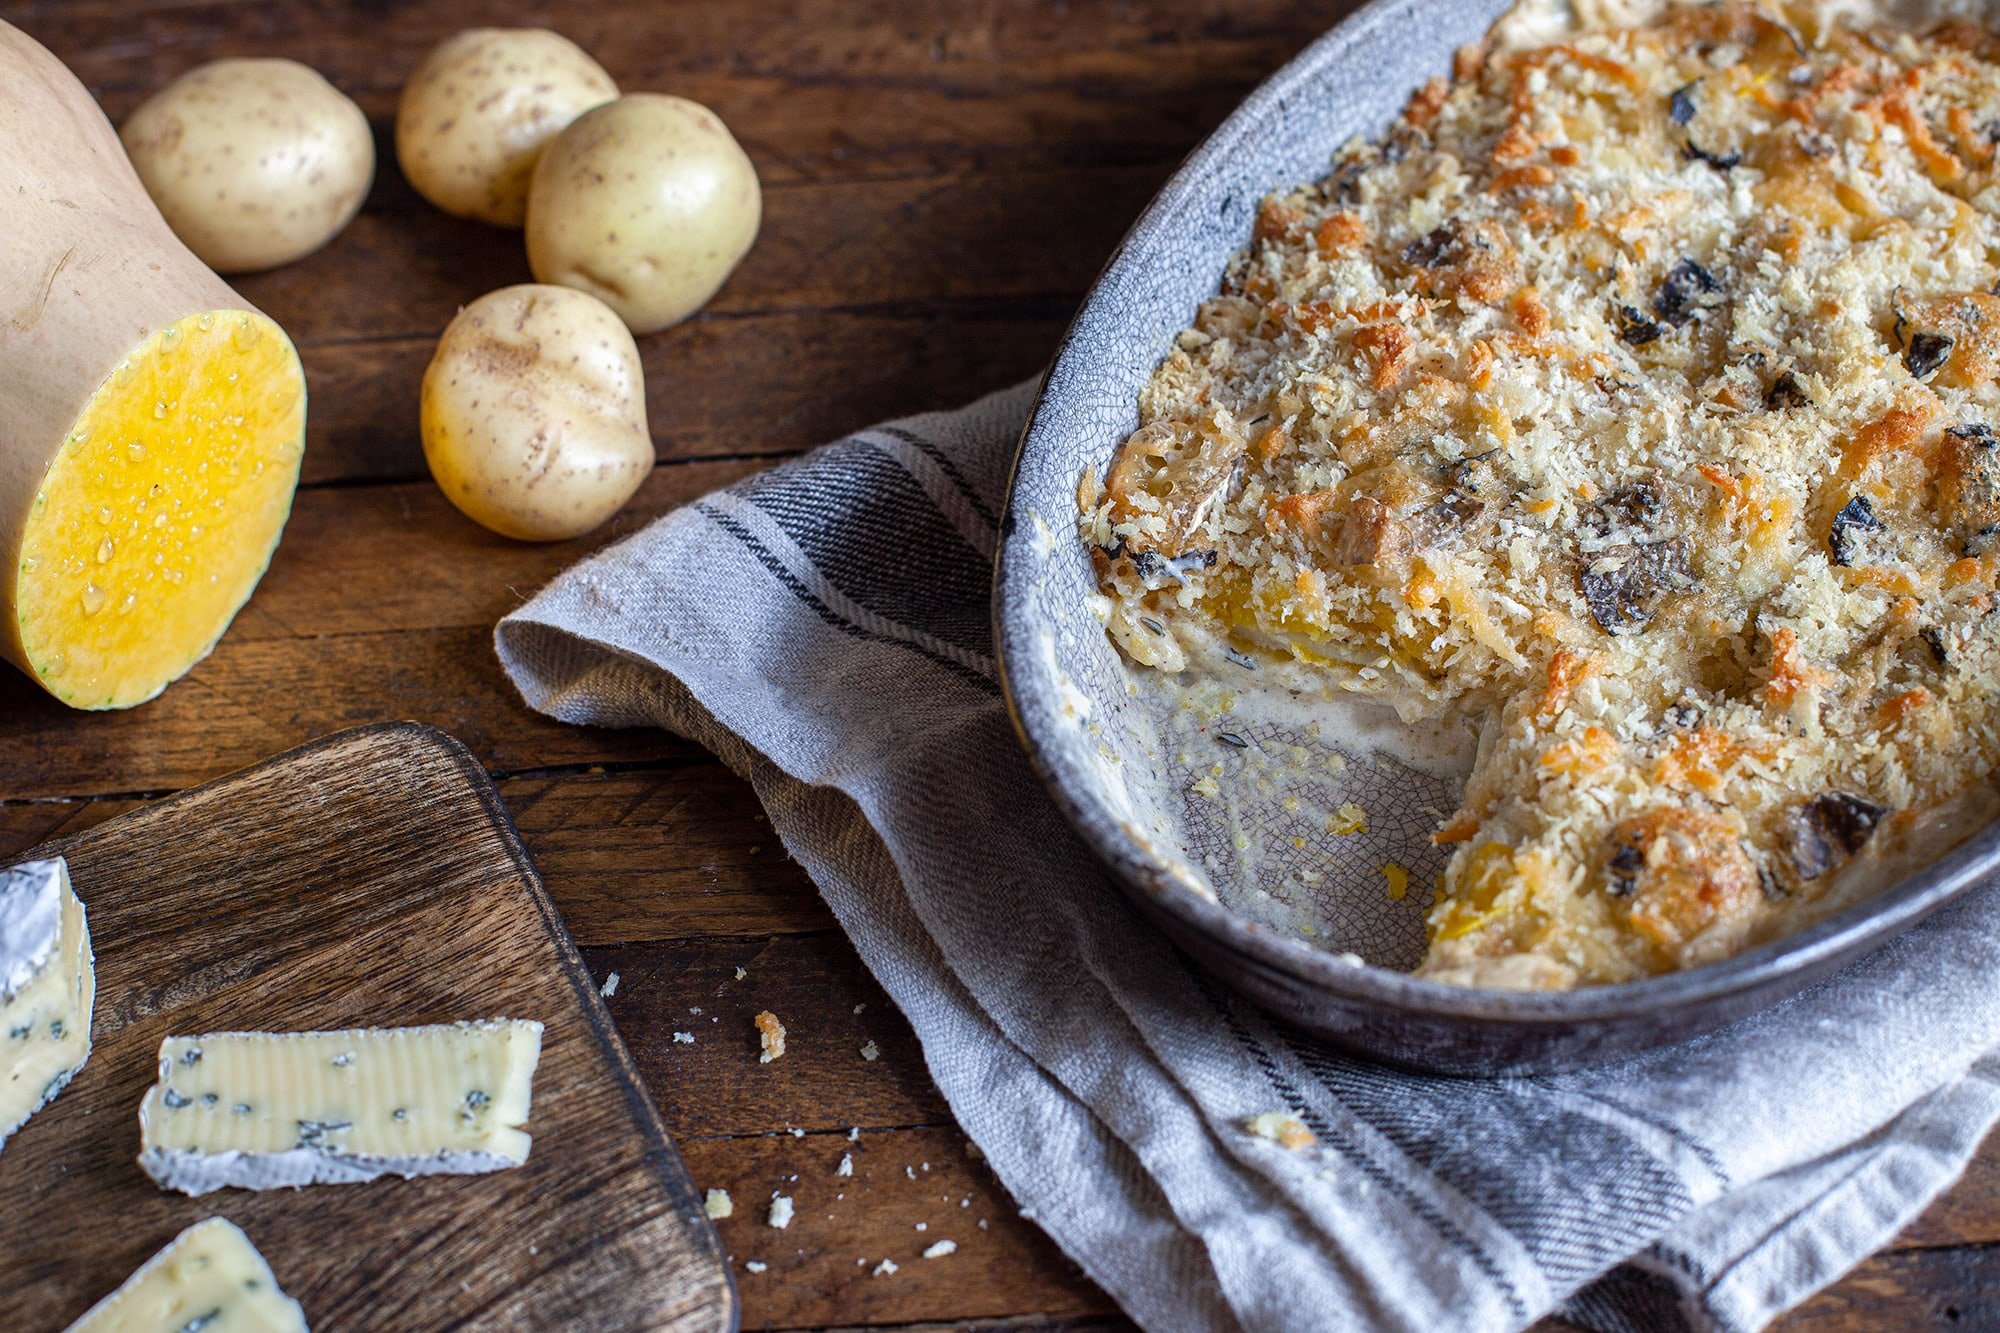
210	1278
47	984
259	1110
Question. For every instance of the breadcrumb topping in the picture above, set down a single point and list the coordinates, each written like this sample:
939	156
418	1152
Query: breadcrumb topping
1635	399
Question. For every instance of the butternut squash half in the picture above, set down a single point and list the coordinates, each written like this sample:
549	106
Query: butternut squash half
151	420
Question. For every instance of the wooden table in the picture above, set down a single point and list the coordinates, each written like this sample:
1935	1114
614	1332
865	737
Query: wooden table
942	179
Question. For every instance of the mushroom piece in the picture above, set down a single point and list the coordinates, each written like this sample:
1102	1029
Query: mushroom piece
1623	585
1858	535
1825	831
1969	487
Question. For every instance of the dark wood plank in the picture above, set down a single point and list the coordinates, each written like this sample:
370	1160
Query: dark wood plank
368	879
716	1085
815	1272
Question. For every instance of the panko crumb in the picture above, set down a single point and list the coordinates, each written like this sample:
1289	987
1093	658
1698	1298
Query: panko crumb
718	1205
1348	820
756	1266
870	1051
1282	1128
770	1036
780	1215
846	1167
886	1267
684	1038
610	986
939	1249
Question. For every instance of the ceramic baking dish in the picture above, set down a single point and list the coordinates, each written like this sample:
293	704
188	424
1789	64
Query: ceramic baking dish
1097	742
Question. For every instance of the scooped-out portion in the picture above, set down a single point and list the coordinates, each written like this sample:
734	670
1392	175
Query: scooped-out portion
1635	403
161	509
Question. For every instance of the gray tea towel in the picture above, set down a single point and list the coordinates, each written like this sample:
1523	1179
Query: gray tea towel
823	627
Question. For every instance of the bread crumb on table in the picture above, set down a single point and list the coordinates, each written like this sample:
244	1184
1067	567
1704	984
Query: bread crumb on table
610	986
755	1266
884	1268
1282	1128
718	1204
781	1211
770	1036
940	1249
870	1051
846	1167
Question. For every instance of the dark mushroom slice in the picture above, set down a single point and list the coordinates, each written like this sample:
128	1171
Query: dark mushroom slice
1925	353
1637	507
1935	639
1969	487
1159	571
1951	340
1785	392
1435	248
1624	585
1825	831
1858	536
1636	329
1686	293
1681	104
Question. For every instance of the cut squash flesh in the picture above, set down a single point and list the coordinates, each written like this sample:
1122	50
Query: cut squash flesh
159	512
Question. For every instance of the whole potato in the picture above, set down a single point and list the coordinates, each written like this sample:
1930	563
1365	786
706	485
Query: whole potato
475	115
647	204
254	163
534	413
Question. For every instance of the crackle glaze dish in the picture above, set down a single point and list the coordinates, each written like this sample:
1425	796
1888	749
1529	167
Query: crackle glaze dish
1289	848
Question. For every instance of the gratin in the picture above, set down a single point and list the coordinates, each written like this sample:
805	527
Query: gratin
1634	400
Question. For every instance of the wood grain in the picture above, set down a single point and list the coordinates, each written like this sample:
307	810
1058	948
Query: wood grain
369	879
945	175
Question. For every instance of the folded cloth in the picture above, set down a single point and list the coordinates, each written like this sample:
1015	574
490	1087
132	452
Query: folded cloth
823	627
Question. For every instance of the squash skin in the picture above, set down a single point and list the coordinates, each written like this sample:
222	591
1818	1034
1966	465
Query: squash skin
99	272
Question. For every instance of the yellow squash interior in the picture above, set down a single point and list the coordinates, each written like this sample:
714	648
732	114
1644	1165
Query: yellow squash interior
161	510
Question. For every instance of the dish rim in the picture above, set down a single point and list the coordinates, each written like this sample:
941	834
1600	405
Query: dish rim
1028	691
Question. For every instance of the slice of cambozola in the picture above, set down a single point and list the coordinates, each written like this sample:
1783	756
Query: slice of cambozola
260	1110
47	985
210	1278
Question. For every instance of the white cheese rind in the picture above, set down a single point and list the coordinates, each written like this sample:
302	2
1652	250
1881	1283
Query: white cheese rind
209	1277
249	1110
48	984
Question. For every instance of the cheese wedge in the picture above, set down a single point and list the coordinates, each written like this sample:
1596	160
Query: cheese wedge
47	985
209	1278
260	1110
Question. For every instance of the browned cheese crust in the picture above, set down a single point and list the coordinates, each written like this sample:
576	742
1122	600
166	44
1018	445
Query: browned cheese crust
1635	399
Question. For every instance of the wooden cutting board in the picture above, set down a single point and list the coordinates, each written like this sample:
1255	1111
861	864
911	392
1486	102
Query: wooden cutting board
370	878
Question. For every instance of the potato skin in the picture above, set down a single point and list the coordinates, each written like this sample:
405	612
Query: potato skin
648	204
534	413
254	163
475	116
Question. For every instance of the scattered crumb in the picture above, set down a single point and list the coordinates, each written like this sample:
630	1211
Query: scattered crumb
1282	1128
853	1133
1349	819
719	1204
684	1038
770	1036
982	1224
781	1212
846	1167
923	1226
941	1248
695	1009
871	1050
1399	880
859	1007
798	1133
755	1266
910	1171
610	986
966	1202
884	1268
740	974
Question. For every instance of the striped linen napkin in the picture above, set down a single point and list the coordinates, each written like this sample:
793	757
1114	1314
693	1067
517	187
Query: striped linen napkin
823	627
